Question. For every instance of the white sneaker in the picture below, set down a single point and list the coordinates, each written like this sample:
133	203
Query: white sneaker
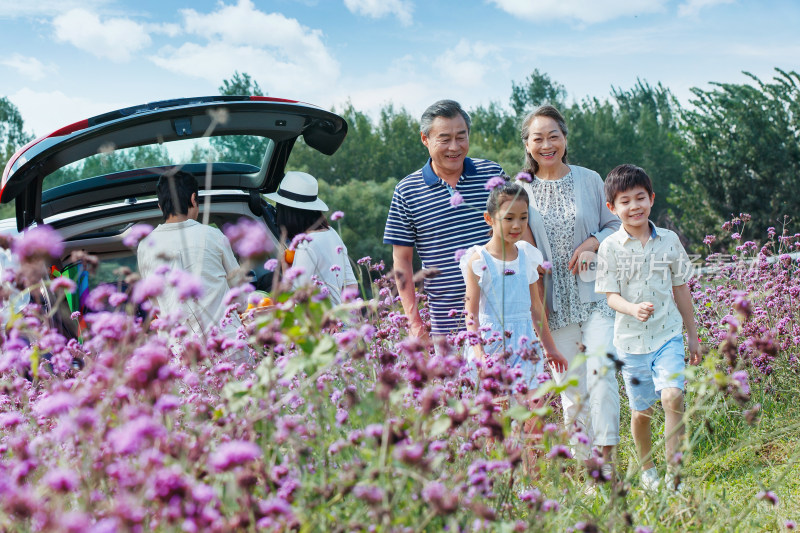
650	481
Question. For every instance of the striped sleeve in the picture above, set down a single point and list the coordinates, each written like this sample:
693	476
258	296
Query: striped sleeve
399	228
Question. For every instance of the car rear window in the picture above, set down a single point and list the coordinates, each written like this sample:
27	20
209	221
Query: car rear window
250	149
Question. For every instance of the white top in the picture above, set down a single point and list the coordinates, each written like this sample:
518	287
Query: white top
325	257
200	250
17	299
479	266
556	201
644	274
592	217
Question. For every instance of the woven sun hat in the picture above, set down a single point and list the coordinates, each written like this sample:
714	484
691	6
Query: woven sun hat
298	189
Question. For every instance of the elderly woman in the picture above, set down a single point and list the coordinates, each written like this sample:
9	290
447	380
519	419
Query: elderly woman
568	218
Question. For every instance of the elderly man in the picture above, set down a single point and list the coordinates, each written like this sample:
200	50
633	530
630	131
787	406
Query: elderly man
439	210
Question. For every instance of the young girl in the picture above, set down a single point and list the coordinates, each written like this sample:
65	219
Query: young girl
501	285
324	255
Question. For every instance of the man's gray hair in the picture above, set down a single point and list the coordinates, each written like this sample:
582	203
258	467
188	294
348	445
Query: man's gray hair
442	108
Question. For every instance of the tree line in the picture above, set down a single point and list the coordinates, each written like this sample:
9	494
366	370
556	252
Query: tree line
734	148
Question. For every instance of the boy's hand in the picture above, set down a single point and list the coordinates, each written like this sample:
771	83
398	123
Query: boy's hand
643	311
695	355
556	360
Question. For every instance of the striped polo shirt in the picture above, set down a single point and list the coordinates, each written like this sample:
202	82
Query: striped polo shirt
421	215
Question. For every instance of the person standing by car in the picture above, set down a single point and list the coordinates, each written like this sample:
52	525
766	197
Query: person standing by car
426	214
569	219
320	254
181	243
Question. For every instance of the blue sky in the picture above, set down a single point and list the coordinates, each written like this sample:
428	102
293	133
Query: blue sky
65	60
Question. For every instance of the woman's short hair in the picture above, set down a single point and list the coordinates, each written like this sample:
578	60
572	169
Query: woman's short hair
185	186
531	166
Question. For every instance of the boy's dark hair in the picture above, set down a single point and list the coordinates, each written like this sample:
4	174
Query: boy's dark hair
499	195
624	178
185	187
442	108
295	220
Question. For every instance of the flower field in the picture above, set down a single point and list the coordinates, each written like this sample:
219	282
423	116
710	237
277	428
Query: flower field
346	424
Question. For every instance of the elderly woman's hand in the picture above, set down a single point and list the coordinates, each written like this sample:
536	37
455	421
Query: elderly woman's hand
583	255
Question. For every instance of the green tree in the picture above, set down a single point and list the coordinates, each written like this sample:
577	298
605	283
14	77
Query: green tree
638	126
110	162
12	138
742	154
366	206
240	148
495	135
402	148
537	89
390	149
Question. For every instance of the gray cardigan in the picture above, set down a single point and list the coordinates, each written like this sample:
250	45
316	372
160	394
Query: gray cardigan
592	219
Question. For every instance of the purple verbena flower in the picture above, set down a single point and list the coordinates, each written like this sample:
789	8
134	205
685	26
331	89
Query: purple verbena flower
559	450
56	404
136	234
271	265
292	273
10	419
550	505
62	283
369	493
38	243
456	199
249	238
232	454
767	496
337	215
61	480
493	183
147	288
187	285
299	239
524	177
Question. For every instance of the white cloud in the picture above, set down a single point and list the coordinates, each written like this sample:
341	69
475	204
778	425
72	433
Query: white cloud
46	111
467	63
116	39
402	9
28	67
585	11
47	8
285	57
693	7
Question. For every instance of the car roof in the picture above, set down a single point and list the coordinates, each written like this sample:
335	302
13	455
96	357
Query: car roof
282	121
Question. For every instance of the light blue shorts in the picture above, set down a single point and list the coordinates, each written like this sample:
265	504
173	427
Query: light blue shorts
647	374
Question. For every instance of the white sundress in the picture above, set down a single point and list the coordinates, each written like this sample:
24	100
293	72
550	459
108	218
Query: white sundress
505	306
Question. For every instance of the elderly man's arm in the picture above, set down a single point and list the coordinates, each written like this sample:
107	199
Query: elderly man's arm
403	256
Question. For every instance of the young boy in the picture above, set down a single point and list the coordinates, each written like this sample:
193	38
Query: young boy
643	270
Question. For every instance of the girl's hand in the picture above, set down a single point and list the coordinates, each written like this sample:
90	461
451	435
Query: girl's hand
583	255
556	360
